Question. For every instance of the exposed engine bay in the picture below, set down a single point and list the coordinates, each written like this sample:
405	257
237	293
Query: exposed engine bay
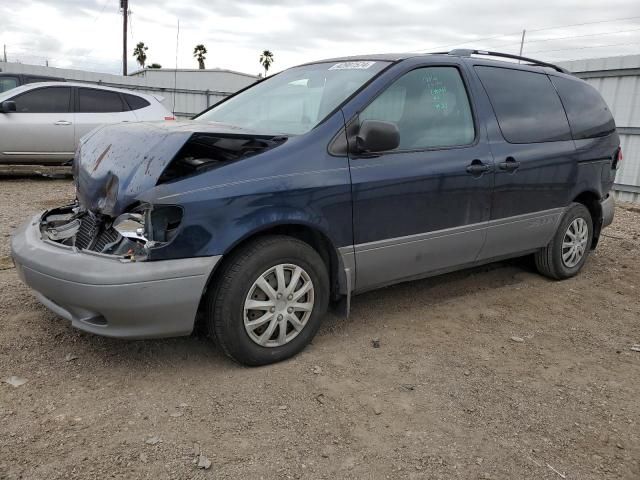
204	151
129	236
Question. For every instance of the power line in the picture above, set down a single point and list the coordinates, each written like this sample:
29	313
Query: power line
568	37
585	23
584	48
519	32
104	5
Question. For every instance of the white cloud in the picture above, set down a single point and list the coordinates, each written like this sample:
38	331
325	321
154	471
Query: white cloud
87	34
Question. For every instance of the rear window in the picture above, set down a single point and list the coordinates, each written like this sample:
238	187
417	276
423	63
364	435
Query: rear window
44	100
526	104
135	102
99	101
588	113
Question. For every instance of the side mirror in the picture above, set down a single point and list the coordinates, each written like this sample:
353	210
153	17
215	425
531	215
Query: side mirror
8	106
376	136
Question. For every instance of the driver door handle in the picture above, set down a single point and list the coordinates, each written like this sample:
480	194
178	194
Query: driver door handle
62	122
478	168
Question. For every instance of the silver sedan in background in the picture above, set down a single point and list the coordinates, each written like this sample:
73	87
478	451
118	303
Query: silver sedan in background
41	123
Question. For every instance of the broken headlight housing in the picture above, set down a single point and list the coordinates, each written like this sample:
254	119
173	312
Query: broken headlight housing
131	235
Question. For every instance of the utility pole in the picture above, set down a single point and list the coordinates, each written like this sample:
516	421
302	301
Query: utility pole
522	42
5	53
124	5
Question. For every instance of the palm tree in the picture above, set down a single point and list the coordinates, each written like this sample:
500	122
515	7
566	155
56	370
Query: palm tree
266	59
140	53
199	54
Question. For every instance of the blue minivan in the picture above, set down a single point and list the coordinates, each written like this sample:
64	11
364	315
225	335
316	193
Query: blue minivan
324	181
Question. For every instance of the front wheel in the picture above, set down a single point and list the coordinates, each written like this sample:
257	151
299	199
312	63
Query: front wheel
567	252
268	301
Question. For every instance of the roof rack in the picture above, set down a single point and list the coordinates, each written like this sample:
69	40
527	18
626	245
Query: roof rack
463	52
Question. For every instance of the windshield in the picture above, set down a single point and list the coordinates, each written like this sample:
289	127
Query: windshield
296	100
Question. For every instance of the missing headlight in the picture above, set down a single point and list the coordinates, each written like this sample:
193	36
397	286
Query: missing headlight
131	235
165	221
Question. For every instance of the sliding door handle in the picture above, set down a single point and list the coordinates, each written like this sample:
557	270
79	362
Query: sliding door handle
509	165
62	122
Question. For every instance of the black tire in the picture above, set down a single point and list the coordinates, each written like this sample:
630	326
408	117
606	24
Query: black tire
226	297
549	260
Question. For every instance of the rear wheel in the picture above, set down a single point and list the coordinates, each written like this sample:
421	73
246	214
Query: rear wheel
268	301
567	252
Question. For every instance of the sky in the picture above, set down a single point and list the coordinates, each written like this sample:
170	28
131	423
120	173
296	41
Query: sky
87	34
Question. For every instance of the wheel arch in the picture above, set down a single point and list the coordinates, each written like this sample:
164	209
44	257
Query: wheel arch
311	235
591	200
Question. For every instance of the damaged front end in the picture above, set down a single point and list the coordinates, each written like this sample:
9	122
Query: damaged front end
116	166
130	236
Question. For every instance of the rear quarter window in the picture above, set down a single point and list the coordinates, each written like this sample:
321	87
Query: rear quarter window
526	105
589	115
135	102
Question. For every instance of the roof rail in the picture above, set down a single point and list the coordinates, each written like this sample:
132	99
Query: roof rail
463	52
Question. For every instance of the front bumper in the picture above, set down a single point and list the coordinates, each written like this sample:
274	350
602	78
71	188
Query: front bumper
608	209
107	296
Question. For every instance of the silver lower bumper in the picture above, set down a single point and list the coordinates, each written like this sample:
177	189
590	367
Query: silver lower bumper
608	210
106	296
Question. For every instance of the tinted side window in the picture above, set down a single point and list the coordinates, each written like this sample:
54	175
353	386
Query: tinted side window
7	83
135	102
44	100
99	101
526	104
588	113
429	105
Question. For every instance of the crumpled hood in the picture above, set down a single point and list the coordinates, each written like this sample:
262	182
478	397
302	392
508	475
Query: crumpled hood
116	163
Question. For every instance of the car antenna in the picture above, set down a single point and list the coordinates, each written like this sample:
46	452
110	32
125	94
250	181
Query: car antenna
175	73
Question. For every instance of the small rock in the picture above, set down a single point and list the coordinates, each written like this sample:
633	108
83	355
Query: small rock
69	357
517	339
620	446
153	440
317	370
282	407
16	381
144	458
408	386
320	398
479	460
466	373
183	405
203	462
377	410
636	348
375	343
175	414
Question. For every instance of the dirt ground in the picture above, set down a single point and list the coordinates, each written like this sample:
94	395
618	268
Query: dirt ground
448	394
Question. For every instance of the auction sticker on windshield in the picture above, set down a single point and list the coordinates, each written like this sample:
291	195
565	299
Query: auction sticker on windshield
352	65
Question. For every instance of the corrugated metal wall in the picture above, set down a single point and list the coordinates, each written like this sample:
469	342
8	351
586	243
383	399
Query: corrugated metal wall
194	91
618	80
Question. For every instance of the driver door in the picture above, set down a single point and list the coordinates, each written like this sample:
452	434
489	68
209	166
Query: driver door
422	207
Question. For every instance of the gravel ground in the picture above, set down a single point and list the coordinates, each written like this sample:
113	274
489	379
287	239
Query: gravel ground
449	393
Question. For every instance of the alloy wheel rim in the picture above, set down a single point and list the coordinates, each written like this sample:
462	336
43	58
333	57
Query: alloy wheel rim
278	305
574	243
